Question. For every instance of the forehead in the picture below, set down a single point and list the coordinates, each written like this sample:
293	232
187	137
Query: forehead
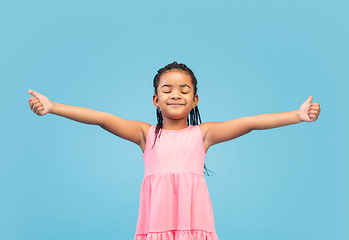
175	78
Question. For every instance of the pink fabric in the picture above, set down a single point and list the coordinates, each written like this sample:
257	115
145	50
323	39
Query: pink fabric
174	199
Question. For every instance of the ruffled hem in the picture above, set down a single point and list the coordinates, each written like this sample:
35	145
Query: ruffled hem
173	201
178	235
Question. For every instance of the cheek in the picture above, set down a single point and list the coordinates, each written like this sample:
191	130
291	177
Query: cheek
191	97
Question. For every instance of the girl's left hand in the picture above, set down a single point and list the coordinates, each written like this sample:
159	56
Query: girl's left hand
309	112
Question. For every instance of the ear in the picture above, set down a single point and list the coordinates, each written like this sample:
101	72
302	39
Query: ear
155	100
196	100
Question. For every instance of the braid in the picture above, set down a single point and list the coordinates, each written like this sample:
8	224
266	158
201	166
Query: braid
195	119
158	128
194	115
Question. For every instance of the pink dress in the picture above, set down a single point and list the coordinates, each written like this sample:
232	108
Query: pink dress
174	200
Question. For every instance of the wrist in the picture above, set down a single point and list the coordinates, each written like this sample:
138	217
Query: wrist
299	116
52	107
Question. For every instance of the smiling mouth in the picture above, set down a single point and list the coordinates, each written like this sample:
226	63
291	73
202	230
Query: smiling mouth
175	104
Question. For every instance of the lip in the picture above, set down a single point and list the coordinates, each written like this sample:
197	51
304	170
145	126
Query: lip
175	104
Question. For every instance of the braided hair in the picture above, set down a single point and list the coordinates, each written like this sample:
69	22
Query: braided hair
194	115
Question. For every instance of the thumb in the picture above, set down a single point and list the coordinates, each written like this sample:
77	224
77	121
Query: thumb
32	92
310	99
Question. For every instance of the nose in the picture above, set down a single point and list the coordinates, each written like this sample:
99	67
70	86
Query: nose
175	95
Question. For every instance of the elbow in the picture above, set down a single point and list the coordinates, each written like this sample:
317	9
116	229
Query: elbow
251	124
102	119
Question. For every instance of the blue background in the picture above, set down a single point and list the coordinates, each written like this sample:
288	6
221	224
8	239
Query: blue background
64	180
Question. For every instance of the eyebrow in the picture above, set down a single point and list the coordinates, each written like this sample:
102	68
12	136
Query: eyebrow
183	85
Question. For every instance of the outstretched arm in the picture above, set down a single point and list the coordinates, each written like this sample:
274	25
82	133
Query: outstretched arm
134	131
216	132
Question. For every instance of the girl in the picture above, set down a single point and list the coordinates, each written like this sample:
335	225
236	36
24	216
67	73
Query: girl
174	200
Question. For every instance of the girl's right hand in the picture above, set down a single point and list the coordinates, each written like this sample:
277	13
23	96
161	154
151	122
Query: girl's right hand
39	104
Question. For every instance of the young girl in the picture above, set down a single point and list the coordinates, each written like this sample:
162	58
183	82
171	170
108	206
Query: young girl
174	200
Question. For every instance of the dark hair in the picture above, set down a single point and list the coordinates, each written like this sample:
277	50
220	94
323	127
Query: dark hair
194	115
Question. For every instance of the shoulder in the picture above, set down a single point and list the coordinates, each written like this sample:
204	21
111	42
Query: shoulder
145	127
205	128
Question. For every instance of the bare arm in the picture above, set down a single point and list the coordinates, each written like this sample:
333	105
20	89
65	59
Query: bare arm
134	131
216	132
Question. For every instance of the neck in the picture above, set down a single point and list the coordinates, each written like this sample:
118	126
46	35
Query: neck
174	124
